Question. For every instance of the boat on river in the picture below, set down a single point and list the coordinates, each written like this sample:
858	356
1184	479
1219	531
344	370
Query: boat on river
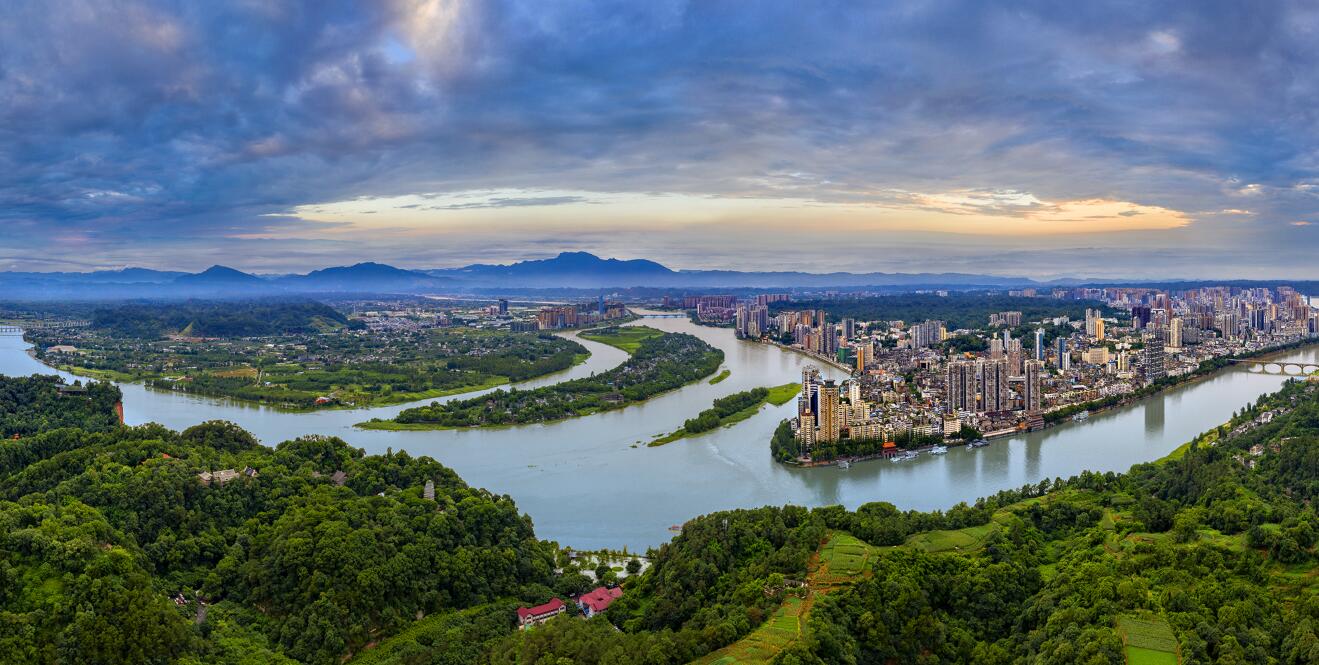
1081	417
939	450
978	443
844	464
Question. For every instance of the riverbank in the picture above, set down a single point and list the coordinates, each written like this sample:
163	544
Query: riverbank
1217	365
813	356
1099	406
777	396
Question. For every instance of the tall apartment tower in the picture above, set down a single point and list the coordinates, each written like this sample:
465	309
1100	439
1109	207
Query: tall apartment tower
849	328
806	431
1031	396
1152	360
1064	356
810	390
1175	333
830	424
1039	343
994	385
1099	330
960	386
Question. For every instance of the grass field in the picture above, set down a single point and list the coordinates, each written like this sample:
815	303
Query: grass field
958	540
780	395
1149	641
721	376
627	338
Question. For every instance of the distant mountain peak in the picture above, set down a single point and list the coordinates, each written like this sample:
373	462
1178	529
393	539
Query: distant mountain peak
220	273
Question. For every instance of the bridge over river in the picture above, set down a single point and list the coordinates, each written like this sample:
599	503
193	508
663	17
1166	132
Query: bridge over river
1276	367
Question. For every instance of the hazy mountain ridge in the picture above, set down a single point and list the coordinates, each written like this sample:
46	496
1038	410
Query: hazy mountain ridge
568	270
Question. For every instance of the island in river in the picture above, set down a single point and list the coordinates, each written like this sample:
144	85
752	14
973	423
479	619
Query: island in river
730	410
660	362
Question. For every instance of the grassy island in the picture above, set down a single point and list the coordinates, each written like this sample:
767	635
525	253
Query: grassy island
660	363
731	410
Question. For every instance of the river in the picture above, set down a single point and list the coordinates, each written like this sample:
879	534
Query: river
591	482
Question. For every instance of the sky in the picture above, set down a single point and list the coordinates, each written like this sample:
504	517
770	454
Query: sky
1134	139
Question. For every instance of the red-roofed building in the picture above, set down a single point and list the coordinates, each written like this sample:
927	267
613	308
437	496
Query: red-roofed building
532	616
598	600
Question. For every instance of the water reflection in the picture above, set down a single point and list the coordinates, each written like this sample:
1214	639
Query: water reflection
1154	415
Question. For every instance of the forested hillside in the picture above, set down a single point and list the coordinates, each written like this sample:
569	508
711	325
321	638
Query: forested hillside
313	552
250	318
38	403
278	558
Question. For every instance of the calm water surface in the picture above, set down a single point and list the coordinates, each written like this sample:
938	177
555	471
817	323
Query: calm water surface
592	482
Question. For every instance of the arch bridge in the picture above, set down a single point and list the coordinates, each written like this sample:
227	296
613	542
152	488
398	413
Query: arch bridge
1275	367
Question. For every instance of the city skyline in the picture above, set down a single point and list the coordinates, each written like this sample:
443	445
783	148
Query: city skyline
1007	139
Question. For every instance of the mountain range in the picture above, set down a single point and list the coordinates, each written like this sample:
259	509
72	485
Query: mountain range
568	270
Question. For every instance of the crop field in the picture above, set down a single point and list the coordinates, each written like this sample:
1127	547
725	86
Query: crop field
843	559
958	540
1149	642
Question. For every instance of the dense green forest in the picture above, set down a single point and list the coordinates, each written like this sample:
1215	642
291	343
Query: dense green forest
39	403
659	364
959	310
251	318
1205	557
99	529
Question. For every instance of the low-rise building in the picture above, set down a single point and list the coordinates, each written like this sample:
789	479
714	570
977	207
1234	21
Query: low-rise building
534	616
598	600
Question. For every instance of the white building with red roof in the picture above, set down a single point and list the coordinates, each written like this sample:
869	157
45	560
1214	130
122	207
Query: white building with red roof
532	616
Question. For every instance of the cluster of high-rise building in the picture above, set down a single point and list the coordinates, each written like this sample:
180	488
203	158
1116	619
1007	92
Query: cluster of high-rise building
904	380
558	317
1010	319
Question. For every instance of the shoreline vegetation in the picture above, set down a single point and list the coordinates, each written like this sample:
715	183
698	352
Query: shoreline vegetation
730	410
660	363
783	451
721	376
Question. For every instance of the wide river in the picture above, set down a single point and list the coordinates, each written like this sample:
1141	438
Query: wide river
592	482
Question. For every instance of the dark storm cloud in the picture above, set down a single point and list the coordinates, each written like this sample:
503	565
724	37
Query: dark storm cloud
128	127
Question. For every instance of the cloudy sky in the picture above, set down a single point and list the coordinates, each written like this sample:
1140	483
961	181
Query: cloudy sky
1113	139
